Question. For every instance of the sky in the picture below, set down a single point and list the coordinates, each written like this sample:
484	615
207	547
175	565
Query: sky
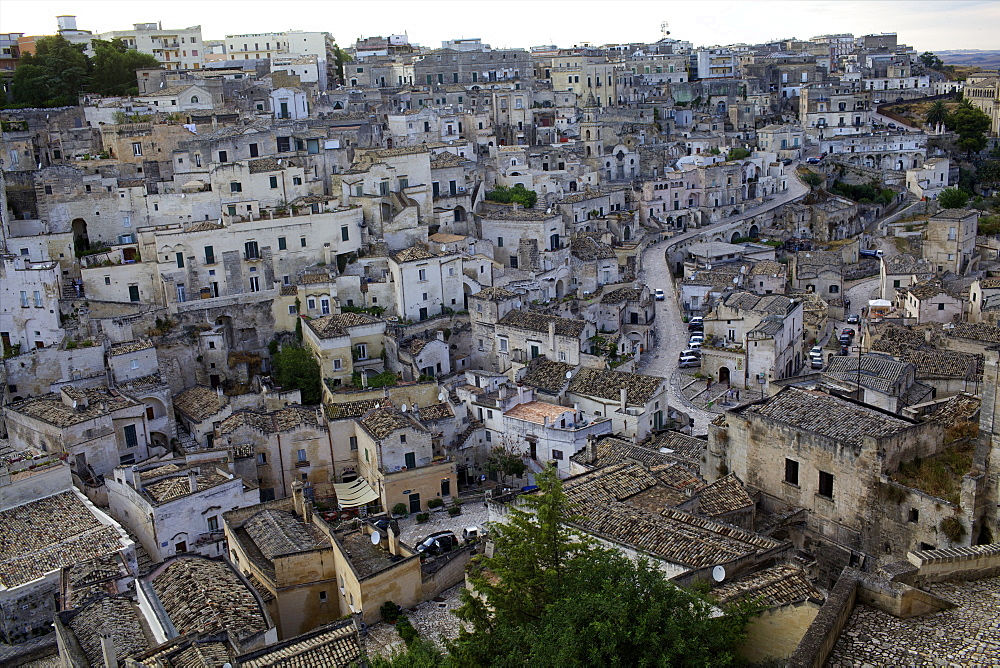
925	25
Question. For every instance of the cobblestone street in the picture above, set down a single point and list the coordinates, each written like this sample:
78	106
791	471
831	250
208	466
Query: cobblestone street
432	619
968	635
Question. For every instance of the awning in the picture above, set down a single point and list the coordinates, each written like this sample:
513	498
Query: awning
354	494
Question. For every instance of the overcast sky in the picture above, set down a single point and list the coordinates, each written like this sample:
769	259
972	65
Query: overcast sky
925	25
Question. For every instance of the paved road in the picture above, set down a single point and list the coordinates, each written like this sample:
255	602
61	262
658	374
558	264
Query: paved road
671	332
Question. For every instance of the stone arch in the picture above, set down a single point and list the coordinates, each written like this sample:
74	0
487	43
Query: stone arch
736	235
560	289
194	99
724	375
154	406
459	214
588	151
627	233
754	232
572	186
588	135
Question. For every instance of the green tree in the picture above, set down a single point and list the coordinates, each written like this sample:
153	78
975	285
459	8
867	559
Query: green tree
53	76
812	179
341	58
518	193
971	126
738	154
931	61
505	463
551	597
296	368
938	113
953	198
114	66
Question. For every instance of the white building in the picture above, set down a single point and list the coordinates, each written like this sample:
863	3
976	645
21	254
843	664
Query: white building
175	48
928	180
177	506
29	304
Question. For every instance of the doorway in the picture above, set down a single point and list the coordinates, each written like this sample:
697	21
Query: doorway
724	374
414	503
446	487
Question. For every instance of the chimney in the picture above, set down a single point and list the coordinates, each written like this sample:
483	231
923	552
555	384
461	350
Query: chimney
193	480
109	652
133	478
503	391
552	336
440	335
520	394
624	398
545	422
302	506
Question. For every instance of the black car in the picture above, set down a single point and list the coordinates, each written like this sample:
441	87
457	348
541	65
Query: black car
438	543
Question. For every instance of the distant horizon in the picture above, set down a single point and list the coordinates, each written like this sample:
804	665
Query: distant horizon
923	24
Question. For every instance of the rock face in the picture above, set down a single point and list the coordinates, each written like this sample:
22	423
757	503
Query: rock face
968	635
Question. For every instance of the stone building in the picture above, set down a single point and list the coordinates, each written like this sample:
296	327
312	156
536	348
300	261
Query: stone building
949	243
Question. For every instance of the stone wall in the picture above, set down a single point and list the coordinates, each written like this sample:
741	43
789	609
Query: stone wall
822	635
957	563
446	571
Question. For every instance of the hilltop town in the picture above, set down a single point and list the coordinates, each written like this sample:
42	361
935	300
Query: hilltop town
289	327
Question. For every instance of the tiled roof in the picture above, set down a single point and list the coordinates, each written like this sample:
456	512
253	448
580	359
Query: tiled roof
353	409
281	420
447	159
878	372
622	295
137	386
775	586
412	254
926	289
610	450
279	532
495	294
537	411
538	322
264	165
127	347
726	495
975	330
204	226
681	446
172	488
204	596
651	485
818	259
45	535
336	324
587	248
547	375
906	264
113	616
609	384
381	422
959	408
826	415
331	646
765	304
200	403
50	407
415	345
582	196
674	535
767	268
433	412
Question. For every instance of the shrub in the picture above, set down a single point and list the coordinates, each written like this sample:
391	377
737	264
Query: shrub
953	528
406	631
455	511
896	494
518	194
436	502
422	517
400	509
390	612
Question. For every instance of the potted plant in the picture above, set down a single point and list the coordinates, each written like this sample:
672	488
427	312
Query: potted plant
423	517
400	510
437	503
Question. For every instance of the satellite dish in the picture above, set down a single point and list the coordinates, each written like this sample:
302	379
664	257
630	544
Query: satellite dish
440	396
403	408
517	304
736	280
377	538
719	573
569	374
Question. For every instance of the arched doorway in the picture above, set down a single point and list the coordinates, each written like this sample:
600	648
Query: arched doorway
724	374
459	214
754	232
627	233
81	241
560	289
736	235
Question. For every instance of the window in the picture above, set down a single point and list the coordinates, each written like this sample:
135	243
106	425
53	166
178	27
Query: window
235	187
301	456
354	442
131	440
292	310
180	260
914	515
223	156
181	292
503	344
24	298
826	484
282	243
302	242
952	234
296	180
273	180
38	299
557	454
107	280
284	144
254	284
422	275
791	472
213	523
252	250
324	306
209	255
262	458
136	148
499	242
362	350
345	233
254	153
322	597
134	364
311	303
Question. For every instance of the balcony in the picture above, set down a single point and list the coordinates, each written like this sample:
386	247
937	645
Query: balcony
302	464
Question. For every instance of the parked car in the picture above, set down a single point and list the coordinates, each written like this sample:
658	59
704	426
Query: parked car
694	344
697	322
688	361
853	319
816	351
471	535
891	126
696	337
849	331
692	351
843	350
816	362
813	161
658	294
874	252
438	542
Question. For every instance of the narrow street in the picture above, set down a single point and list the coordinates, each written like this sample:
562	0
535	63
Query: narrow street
671	332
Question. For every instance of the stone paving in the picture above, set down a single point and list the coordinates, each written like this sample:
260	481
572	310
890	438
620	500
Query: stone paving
473	514
432	619
968	635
